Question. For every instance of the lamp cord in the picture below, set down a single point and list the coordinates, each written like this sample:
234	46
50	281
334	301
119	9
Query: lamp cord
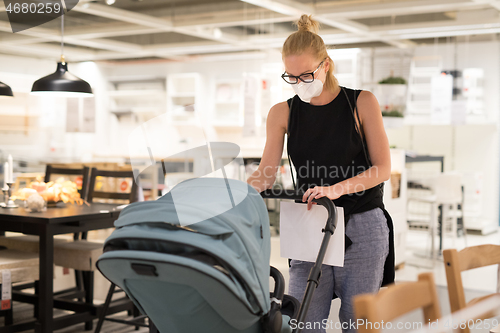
62	38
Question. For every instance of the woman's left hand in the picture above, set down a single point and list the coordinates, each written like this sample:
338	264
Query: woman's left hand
320	191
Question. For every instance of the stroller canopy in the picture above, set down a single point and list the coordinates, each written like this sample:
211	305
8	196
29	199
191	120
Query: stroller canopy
228	218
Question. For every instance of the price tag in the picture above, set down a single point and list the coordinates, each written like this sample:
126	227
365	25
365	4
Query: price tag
5	304
124	186
79	182
6	290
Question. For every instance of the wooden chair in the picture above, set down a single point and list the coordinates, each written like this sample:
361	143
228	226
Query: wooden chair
84	172
469	258
397	300
23	267
82	254
92	194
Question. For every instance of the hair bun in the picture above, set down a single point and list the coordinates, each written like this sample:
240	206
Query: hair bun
307	23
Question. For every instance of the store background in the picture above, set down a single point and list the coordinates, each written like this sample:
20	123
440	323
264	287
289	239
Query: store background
132	89
41	130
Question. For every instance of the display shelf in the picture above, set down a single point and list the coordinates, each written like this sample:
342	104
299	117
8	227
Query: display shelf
226	125
418	99
228	104
473	90
347	63
183	96
146	93
16	113
20	128
143	97
392	97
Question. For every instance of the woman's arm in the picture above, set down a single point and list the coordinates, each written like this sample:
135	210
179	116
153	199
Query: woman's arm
264	177
378	147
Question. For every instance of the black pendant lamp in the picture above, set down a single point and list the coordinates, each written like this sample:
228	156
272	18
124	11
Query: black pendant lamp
62	83
5	90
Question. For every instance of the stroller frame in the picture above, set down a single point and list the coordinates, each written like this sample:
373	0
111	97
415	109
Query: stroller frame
315	273
125	256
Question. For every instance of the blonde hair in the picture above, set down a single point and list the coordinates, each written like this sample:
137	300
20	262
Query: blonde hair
306	39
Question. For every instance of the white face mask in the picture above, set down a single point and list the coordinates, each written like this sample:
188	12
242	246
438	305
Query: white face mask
307	91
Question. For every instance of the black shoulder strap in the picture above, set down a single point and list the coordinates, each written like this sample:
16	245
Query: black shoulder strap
290	104
355	115
290	107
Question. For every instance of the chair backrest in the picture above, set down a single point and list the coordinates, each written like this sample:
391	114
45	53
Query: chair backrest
84	172
395	301
458	261
448	188
92	193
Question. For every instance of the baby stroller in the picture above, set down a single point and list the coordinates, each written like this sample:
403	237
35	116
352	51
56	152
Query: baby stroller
197	260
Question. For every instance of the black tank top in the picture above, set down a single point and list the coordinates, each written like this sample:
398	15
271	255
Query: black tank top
326	148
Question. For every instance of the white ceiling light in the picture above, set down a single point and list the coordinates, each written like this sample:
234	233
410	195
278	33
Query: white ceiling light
110	2
217	33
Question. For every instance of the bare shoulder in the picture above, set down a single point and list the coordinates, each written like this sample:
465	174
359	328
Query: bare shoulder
278	116
368	105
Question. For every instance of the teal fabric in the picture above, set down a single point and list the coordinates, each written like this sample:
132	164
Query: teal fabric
177	278
285	326
229	220
186	311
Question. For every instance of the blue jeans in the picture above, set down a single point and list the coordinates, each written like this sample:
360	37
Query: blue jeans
362	272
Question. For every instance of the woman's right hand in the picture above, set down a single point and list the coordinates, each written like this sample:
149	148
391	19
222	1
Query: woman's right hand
276	126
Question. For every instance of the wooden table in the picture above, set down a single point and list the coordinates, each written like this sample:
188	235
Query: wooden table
55	221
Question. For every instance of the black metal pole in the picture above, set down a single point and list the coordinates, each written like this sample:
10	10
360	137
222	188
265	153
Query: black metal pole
315	273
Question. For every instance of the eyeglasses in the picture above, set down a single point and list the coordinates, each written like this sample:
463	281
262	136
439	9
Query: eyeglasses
306	77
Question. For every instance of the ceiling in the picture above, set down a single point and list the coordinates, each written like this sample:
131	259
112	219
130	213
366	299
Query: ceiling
184	29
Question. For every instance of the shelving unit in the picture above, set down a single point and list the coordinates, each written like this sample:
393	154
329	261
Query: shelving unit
17	113
418	102
473	90
183	96
346	66
143	98
228	103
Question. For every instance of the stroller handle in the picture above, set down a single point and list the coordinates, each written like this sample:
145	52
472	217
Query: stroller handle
331	224
315	273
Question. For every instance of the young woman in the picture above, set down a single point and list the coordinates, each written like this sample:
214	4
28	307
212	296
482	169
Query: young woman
338	145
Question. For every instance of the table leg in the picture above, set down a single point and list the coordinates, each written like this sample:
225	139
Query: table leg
89	294
46	284
441	227
433	229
